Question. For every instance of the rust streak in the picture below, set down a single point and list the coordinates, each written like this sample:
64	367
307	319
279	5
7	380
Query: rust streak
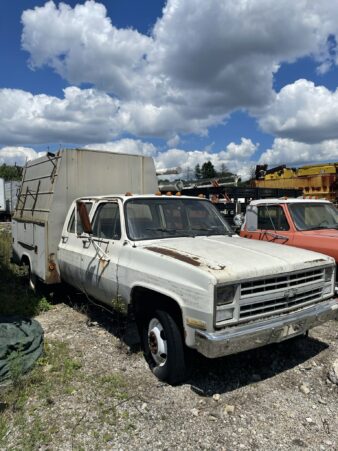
170	253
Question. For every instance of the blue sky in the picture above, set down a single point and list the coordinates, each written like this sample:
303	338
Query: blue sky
184	81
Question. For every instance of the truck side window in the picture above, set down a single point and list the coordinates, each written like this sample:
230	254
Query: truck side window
272	217
71	224
106	222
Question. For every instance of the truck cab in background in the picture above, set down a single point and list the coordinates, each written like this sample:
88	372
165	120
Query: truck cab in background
305	223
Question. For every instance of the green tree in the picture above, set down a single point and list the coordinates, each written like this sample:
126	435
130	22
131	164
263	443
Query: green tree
208	170
198	173
10	172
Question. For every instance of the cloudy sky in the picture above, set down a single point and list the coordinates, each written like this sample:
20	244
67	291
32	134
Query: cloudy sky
185	81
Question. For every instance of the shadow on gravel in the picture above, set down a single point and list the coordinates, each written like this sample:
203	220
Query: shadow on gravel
209	376
97	314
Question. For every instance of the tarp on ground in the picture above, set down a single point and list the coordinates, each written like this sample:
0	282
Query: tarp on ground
21	344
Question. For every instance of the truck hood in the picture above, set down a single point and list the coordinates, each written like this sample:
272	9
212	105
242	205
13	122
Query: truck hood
321	233
234	258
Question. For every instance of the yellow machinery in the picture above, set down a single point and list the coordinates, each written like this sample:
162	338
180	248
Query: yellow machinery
317	181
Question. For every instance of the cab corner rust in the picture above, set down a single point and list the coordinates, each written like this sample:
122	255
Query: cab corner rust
174	254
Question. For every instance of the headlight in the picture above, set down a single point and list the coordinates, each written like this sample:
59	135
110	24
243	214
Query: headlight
328	273
225	295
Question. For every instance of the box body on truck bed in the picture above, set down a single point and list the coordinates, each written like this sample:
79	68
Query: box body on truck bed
51	183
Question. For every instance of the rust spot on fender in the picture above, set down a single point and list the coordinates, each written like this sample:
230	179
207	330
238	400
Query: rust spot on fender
103	264
174	254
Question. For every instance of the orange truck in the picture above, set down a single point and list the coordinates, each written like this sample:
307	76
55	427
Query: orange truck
306	223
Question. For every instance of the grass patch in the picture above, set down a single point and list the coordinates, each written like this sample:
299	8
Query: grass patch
33	410
16	297
24	402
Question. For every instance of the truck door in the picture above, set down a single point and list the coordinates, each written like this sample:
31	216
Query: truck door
70	249
100	253
272	225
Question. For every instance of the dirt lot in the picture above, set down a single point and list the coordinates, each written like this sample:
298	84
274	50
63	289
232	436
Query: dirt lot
277	397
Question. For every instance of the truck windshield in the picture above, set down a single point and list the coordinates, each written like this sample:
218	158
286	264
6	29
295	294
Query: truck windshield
312	216
149	218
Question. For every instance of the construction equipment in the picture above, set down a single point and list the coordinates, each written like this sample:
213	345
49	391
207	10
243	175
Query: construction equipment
318	181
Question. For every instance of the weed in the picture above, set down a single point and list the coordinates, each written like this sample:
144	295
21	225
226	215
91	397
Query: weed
16	297
115	386
3	427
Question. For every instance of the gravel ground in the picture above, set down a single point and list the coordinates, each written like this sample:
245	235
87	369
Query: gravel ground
277	397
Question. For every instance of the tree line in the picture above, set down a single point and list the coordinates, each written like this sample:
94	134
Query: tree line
208	171
8	172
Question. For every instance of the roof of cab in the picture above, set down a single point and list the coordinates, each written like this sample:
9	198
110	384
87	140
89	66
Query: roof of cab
290	200
124	197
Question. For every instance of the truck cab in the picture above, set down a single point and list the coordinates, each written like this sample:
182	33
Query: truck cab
305	223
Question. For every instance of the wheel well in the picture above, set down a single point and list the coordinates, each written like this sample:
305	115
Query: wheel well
144	300
25	261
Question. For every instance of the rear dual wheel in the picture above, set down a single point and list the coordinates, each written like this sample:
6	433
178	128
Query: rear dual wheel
33	281
164	348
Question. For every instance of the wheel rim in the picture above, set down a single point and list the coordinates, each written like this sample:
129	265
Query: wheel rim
31	279
157	342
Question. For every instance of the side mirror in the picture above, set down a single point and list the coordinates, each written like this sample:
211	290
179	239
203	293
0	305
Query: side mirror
238	220
84	218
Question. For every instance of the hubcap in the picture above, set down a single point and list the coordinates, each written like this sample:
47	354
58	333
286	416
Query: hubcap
157	342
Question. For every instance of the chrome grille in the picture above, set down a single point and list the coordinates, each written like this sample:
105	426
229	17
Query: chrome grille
264	286
281	294
275	306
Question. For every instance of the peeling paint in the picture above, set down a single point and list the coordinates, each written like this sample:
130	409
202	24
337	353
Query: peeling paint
216	267
318	260
174	254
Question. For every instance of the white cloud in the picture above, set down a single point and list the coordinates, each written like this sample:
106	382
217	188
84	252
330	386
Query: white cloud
242	151
81	116
303	112
82	45
201	61
236	157
18	155
174	141
287	151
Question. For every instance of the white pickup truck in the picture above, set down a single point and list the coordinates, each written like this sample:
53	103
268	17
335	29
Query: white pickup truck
178	269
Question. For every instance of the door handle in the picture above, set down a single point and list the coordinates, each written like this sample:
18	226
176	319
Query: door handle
64	238
85	243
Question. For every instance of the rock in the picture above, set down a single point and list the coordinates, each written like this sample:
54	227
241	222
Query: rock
322	401
333	372
309	420
228	409
216	397
212	417
304	388
47	368
194	412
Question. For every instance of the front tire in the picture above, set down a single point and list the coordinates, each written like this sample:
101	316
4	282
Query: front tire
164	348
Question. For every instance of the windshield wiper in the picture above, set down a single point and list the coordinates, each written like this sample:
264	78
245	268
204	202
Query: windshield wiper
212	230
161	229
170	231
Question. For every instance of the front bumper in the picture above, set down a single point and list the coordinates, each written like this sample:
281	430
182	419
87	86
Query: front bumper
260	333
